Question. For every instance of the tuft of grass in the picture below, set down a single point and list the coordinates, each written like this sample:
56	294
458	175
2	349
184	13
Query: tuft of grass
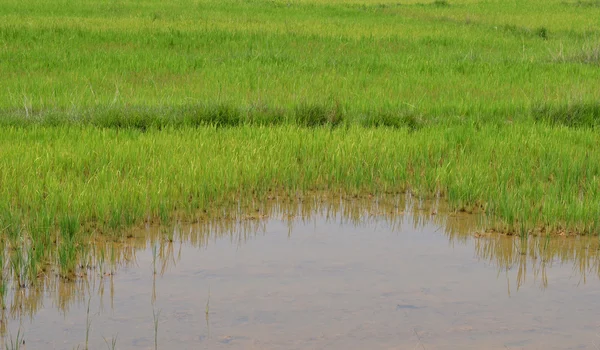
402	119
222	115
441	3
312	115
583	3
69	227
542	32
581	114
10	223
588	54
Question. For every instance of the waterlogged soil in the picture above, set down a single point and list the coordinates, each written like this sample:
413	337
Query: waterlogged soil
391	278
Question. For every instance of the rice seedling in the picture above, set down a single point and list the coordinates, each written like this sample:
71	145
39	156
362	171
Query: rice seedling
15	343
207	309
3	281
156	316
112	344
88	324
207	314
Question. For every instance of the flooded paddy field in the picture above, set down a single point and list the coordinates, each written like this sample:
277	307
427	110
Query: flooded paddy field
347	274
126	126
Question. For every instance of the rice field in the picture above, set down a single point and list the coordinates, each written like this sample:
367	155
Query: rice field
141	63
115	114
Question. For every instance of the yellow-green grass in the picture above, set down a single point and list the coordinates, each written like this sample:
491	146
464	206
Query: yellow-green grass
60	185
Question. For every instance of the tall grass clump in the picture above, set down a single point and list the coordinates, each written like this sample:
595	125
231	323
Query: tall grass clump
579	114
400	119
588	54
312	115
584	3
69	227
441	3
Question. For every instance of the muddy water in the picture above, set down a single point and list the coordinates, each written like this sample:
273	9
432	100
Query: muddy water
394	276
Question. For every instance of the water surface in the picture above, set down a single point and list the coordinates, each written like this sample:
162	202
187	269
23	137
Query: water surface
348	275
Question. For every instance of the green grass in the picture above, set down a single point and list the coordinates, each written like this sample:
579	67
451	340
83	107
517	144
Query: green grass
125	63
531	175
114	113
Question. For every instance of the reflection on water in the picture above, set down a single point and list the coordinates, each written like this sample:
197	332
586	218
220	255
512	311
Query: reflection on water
355	229
534	256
